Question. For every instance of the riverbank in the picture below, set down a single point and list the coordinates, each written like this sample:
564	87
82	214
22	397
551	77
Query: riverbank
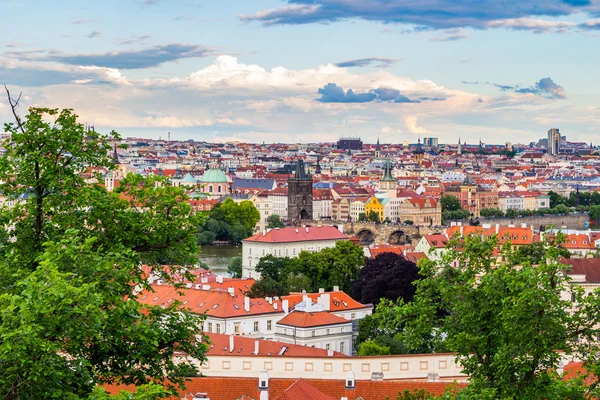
218	256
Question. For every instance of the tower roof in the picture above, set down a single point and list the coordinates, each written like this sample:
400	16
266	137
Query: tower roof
387	174
300	173
419	149
468	181
377	146
115	156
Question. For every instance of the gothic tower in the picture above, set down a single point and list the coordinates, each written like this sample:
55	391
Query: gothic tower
300	199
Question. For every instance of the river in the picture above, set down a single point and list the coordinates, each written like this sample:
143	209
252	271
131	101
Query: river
217	257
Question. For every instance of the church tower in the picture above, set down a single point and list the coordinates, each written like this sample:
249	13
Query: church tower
388	183
300	199
377	149
418	153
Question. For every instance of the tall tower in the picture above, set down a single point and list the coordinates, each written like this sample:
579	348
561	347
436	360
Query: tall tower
418	153
388	183
300	199
459	147
377	149
553	141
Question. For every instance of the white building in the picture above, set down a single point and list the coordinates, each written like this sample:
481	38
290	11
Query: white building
286	242
310	325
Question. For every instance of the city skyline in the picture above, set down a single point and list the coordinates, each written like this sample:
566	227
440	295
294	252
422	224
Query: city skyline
310	71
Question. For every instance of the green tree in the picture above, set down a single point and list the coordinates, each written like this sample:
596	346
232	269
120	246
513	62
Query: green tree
507	324
450	203
268	287
235	267
371	348
373	216
535	253
274	221
70	259
362	217
491	213
334	266
273	267
595	213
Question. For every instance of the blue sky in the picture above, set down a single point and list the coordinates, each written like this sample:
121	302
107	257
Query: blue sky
310	70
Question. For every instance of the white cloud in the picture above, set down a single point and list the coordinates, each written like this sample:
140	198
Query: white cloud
411	125
531	24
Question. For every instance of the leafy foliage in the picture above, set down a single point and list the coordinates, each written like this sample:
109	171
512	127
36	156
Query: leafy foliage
268	287
235	267
274	221
506	323
70	258
388	276
229	222
491	213
371	348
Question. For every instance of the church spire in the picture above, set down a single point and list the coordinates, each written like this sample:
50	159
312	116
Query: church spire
115	156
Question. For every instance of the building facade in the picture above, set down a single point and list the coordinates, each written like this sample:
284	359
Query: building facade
300	198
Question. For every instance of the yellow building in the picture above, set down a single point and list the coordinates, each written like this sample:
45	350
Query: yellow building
373	205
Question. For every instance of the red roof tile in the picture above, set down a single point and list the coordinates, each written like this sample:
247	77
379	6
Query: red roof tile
309	319
286	235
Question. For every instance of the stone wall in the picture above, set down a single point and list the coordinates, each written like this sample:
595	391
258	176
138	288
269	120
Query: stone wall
571	221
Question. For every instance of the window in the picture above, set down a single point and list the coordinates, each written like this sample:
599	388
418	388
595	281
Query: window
353	316
263	252
255	326
269	325
314	333
219	189
236	328
250	250
328	331
218	328
210	326
342	347
327	346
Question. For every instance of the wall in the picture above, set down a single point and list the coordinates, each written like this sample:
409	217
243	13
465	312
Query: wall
393	367
571	221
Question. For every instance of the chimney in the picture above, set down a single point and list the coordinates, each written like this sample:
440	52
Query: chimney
341	228
219	278
497	228
188	285
231	344
275	306
256	346
205	287
247	303
307	229
285	306
321	290
330	353
231	291
336	288
269	300
523	225
461	230
198	286
325	301
264	232
204	280
306	299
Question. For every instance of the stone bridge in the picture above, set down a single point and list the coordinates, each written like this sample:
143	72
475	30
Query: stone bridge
369	233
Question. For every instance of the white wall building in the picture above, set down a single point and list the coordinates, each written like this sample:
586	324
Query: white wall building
286	242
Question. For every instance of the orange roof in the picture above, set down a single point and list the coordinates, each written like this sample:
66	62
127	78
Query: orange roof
309	319
222	388
436	240
302	390
286	235
218	302
574	241
338	301
245	346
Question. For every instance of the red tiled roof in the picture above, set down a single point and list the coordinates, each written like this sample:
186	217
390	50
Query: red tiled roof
309	319
245	346
436	240
221	388
286	235
338	301
218	302
590	267
302	390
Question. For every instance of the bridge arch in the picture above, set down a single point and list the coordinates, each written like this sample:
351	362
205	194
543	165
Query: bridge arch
398	237
365	236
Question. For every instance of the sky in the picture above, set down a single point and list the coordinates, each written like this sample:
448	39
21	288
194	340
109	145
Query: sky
310	70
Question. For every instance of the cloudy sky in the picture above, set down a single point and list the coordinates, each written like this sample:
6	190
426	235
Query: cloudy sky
310	70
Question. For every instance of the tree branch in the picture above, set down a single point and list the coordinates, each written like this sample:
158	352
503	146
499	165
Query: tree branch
13	106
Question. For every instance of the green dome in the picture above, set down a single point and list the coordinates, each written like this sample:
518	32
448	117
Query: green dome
188	178
214	176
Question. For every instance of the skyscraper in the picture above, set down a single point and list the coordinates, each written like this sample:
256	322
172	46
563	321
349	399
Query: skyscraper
553	141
